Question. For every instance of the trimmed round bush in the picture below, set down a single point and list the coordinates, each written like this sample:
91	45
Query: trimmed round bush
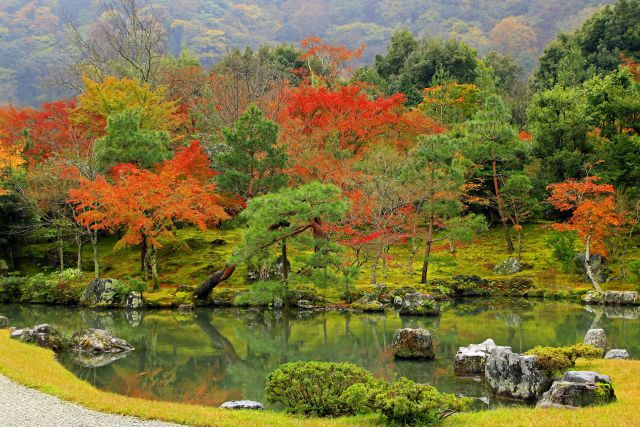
551	359
315	388
405	402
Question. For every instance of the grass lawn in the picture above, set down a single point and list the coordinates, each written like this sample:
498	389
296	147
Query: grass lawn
37	368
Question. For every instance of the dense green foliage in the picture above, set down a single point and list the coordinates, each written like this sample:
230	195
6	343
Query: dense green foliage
315	388
556	360
334	389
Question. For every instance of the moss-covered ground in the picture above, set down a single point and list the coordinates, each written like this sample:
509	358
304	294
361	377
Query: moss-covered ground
193	255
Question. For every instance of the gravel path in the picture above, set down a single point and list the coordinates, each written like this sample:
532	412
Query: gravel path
24	407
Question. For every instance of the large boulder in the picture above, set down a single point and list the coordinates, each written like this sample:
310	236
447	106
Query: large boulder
612	298
417	304
472	359
597	338
242	404
577	389
508	266
98	341
4	322
43	335
617	353
514	375
413	344
104	293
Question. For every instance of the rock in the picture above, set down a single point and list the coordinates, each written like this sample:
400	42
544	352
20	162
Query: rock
617	353
612	298
413	344
368	304
303	303
597	338
598	265
218	242
472	359
133	301
514	375
417	304
98	341
242	404
508	266
185	308
103	293
577	389
278	303
3	265
274	272
43	335
4	322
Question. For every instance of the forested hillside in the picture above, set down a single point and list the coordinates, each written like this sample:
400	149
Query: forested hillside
34	39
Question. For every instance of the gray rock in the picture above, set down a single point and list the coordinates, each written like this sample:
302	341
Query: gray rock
417	304
304	304
278	303
472	359
98	341
508	266
597	338
617	353
612	298
242	404
577	389
368	304
103	293
585	377
43	335
514	375
4	322
413	344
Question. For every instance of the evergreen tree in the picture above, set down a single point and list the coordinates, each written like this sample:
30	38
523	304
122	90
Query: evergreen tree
252	164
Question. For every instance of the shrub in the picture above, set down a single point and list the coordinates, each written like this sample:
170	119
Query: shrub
11	288
405	402
551	359
564	248
63	287
634	268
125	287
559	359
262	294
315	388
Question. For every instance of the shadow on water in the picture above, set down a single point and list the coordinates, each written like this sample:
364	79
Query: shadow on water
215	355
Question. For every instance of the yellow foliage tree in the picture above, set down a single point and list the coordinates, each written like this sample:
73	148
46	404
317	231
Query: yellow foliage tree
99	100
10	158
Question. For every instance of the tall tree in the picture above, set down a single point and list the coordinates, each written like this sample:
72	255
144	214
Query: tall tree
593	215
252	163
148	204
494	142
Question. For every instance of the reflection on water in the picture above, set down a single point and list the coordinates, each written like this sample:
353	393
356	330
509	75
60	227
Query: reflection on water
217	355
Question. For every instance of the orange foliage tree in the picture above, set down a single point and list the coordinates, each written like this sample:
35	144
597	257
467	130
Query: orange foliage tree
593	214
148	204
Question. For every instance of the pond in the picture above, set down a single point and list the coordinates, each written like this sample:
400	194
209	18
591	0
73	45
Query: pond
216	355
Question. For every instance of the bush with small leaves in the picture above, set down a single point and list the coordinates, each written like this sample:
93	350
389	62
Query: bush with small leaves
404	402
315	388
559	359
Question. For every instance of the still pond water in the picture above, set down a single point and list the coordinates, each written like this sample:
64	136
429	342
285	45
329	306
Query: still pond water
216	355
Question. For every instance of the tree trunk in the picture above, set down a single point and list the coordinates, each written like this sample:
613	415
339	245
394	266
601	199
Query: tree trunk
79	243
374	268
96	260
61	250
205	288
143	253
427	251
154	268
503	217
519	244
285	261
587	266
